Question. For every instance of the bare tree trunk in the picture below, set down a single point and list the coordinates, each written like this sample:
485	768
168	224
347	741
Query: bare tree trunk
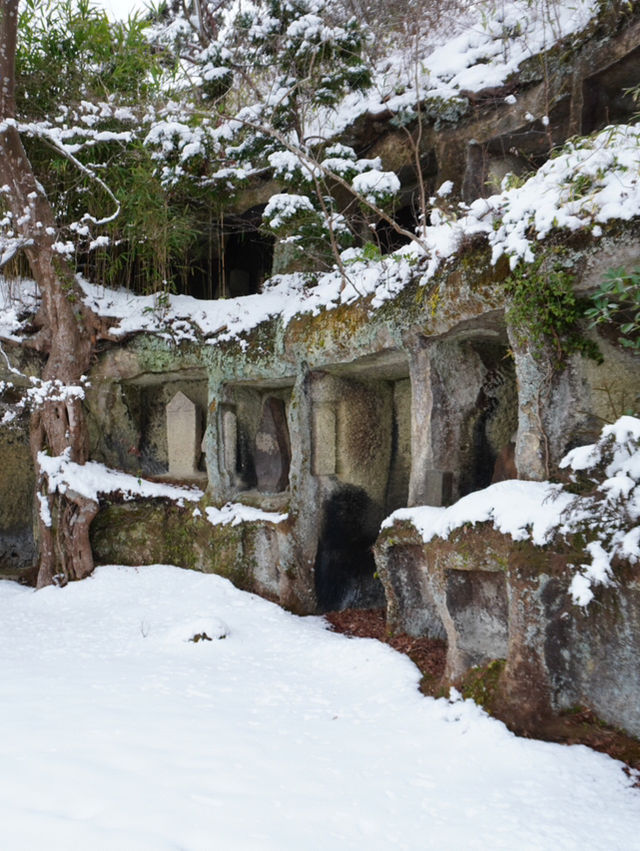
65	338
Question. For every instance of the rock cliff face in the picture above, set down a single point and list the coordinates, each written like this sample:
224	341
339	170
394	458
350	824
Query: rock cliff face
338	418
341	418
494	598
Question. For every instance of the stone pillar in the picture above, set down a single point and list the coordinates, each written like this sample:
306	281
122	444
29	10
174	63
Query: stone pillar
554	404
229	441
305	490
421	410
534	373
183	436
446	378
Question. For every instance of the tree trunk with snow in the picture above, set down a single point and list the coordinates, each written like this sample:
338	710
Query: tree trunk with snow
64	337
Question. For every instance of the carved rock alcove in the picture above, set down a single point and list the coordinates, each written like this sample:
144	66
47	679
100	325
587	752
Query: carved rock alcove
465	416
255	447
361	461
151	424
273	449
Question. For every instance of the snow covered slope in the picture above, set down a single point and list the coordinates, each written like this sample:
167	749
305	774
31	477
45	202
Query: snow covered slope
120	733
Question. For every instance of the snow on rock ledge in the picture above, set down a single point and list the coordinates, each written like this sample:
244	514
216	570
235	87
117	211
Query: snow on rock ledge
607	515
520	509
92	479
234	513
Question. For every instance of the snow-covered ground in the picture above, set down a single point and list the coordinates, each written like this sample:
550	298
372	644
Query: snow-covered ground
119	733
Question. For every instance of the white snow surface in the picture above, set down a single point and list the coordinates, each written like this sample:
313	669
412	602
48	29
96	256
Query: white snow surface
538	510
615	516
92	479
590	182
520	509
234	513
19	296
120	732
465	50
184	318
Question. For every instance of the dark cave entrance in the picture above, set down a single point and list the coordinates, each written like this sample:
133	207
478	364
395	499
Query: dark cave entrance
489	430
345	568
233	258
361	456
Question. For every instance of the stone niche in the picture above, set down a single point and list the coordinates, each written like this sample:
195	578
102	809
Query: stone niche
184	436
433	591
152	425
465	418
361	461
255	444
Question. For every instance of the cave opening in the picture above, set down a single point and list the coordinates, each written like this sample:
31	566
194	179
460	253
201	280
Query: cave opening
232	259
362	460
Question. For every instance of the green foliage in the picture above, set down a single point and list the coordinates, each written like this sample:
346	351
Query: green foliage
617	301
306	229
316	59
103	91
68	49
544	309
94	87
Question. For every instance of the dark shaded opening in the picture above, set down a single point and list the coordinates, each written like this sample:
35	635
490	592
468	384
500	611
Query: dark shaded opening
606	98
397	494
531	143
493	423
255	440
345	568
148	453
388	238
232	259
17	551
245	465
273	448
483	454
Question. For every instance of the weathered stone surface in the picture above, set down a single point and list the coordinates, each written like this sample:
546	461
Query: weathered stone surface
324	439
183	436
229	428
411	606
126	404
273	451
495	598
477	603
464	411
400	465
249	554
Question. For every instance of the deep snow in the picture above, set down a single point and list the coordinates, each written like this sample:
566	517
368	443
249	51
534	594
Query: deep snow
120	733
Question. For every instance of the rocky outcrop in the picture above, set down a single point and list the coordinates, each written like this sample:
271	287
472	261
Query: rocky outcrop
497	599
